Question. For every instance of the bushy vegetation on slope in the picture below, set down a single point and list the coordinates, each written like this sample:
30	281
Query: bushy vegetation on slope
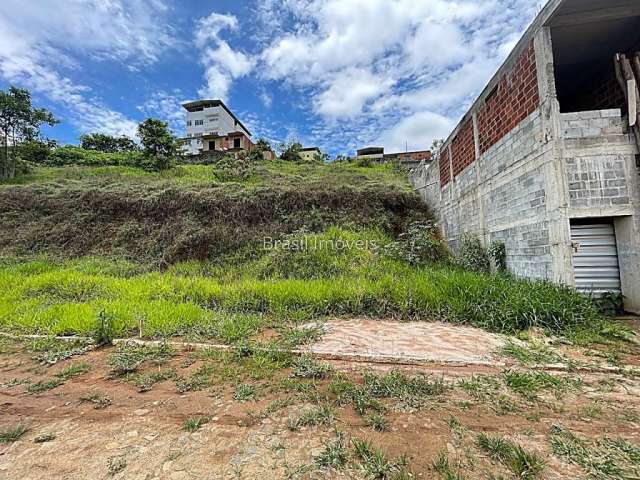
281	285
189	213
197	250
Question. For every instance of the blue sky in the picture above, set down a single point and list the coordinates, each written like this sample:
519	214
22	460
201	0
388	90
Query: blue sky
337	74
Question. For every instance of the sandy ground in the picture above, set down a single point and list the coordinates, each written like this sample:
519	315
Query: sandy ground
141	435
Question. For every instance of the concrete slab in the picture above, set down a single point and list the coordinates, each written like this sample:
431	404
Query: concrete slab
410	341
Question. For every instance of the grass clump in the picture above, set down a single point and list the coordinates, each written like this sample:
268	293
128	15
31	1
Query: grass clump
531	354
443	466
145	382
530	384
99	401
306	367
194	424
245	392
378	422
13	434
522	463
322	415
335	454
128	358
73	371
602	458
44	385
198	380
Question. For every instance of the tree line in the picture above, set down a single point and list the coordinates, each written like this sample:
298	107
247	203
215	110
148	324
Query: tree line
23	143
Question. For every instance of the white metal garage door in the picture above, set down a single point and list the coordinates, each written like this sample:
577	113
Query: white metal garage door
595	258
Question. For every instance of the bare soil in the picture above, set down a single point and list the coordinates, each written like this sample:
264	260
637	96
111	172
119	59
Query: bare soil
141	435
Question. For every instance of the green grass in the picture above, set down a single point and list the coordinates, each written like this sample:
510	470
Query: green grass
322	415
335	453
522	463
59	297
194	424
13	434
603	458
73	371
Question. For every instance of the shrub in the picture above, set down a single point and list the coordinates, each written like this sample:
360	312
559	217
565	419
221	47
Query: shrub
419	245
498	254
472	256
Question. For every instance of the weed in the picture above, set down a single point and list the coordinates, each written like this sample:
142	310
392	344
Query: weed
480	387
306	367
198	380
335	454
194	424
245	392
297	336
98	400
145	382
44	385
128	358
522	463
603	458
13	434
73	371
378	422
44	438
532	354
444	468
322	415
530	384
373	459
105	329
525	464
496	447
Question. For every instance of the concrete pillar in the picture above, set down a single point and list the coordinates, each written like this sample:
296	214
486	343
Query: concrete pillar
557	195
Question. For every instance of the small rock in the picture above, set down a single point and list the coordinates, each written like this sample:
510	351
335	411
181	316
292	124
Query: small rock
140	412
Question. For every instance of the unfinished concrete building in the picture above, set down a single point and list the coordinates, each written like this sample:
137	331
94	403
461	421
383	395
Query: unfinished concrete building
546	160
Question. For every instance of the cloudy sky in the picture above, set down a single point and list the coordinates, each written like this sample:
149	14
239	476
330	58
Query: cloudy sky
338	74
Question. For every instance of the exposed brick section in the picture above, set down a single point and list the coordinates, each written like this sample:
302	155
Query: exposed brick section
463	148
514	99
445	171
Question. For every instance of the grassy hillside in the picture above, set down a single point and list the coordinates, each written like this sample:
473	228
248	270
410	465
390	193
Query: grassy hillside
195	211
183	253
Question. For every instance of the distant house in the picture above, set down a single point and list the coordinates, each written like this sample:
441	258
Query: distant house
309	154
408	159
212	127
371	153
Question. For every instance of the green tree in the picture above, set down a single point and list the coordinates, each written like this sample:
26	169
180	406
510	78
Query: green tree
291	152
19	122
107	143
159	145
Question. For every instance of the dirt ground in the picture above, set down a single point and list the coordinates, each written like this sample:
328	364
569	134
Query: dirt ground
93	424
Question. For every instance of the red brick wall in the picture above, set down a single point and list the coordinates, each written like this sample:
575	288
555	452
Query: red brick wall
515	98
463	148
445	172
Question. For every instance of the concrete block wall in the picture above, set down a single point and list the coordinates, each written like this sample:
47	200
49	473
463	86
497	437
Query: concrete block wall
524	184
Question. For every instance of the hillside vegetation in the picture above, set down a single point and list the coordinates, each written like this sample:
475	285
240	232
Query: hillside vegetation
194	211
184	252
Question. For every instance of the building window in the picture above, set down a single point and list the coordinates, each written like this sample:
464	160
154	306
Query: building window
199	122
236	143
189	123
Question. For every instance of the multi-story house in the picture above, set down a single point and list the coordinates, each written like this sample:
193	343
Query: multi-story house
211	126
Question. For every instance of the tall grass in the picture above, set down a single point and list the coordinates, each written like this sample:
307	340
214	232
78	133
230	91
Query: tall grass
234	301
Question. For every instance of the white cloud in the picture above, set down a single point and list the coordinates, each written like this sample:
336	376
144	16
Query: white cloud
40	39
222	64
416	132
347	93
411	64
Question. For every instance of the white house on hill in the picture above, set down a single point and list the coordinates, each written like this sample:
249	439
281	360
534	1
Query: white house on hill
211	126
